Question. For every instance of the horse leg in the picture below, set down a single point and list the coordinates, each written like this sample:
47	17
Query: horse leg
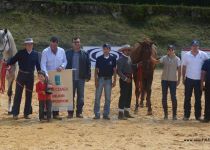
137	92
142	99
149	111
9	93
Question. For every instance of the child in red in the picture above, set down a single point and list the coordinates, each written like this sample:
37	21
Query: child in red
43	97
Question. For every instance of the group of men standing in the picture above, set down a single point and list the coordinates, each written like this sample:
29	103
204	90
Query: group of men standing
195	71
53	58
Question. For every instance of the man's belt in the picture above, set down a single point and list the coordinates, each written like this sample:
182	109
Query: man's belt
25	72
106	78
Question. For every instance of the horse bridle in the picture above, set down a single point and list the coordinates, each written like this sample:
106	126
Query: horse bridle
5	43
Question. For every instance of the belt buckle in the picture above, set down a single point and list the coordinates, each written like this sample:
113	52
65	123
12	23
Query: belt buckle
106	78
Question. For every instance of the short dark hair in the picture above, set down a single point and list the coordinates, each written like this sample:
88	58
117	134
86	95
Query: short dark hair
75	38
41	72
54	39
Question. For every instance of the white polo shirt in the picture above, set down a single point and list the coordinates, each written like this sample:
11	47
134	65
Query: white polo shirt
193	64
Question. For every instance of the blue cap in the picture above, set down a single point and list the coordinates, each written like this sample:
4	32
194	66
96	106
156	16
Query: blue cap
107	46
195	42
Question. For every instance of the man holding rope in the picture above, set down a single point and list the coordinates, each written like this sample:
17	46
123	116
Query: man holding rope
27	60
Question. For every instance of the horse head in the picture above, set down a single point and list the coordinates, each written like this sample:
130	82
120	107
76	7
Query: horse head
4	40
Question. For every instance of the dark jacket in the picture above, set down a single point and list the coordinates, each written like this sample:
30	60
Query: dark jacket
84	64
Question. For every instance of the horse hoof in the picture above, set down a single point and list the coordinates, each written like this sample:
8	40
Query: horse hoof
136	110
149	113
9	113
141	105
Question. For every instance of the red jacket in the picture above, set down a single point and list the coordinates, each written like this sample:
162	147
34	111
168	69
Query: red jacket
40	89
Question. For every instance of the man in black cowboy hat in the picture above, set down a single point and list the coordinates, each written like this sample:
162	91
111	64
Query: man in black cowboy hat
27	60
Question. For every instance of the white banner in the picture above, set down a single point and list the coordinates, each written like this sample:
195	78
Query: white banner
62	97
95	51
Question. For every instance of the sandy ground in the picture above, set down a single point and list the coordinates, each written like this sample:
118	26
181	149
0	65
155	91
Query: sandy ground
142	132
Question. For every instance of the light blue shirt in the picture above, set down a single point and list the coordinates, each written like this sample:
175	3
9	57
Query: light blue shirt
51	61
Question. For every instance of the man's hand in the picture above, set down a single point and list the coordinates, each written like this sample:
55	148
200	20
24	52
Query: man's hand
177	83
59	69
183	81
128	80
202	87
96	83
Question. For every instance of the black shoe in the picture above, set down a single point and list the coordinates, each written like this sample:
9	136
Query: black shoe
165	117
15	117
106	117
79	115
70	116
205	121
198	118
57	117
185	118
27	117
127	114
121	116
96	117
174	118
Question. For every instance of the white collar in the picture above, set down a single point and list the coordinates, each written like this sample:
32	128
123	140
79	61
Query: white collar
106	57
125	55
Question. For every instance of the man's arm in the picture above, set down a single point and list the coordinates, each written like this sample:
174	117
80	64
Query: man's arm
203	75
179	75
88	62
44	62
14	59
183	73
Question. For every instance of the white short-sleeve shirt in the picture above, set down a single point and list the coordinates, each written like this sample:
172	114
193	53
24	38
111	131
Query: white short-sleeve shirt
193	64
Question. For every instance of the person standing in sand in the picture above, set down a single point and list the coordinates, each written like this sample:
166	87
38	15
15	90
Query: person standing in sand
170	78
124	70
191	74
79	61
27	60
53	58
104	71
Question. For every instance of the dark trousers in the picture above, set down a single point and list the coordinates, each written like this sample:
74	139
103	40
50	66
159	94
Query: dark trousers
42	105
207	101
23	80
79	87
171	85
191	85
125	94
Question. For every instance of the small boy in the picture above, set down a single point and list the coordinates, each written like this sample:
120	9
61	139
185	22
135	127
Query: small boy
44	96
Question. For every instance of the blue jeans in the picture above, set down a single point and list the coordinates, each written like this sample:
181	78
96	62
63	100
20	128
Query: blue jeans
107	85
191	84
172	86
78	86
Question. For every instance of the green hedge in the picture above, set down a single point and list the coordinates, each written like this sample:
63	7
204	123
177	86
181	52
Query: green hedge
158	2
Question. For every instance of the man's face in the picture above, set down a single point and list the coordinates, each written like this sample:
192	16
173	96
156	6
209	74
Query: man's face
127	51
76	44
194	47
53	45
170	51
29	46
106	50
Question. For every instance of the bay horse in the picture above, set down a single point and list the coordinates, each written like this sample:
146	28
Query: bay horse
143	55
7	50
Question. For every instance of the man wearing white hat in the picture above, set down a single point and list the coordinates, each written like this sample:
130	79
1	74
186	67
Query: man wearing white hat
27	60
124	70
